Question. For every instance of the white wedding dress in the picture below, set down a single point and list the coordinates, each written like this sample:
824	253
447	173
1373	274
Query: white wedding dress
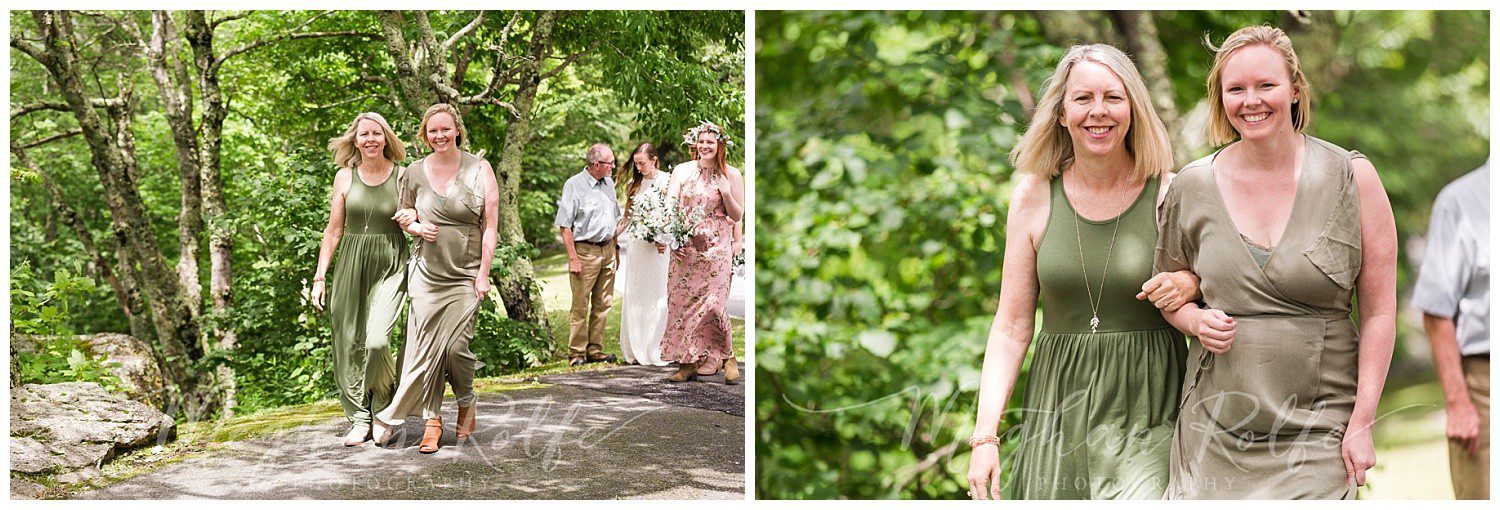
642	287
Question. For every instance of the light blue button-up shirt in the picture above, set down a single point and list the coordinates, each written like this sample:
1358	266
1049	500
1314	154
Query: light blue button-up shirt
589	207
1455	278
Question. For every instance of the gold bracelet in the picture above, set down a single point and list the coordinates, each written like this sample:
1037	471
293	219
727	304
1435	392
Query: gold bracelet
317	278
976	441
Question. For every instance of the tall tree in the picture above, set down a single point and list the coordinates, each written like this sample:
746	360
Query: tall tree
517	290
1138	31
220	236
176	94
112	157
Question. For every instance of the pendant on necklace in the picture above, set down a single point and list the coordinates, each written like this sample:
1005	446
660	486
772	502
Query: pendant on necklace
1094	324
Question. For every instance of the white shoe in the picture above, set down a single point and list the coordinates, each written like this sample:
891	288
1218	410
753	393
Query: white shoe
357	435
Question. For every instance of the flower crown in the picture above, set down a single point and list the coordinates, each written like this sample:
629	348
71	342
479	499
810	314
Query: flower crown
691	136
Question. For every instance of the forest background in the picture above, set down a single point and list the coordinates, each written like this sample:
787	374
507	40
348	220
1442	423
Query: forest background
169	176
882	139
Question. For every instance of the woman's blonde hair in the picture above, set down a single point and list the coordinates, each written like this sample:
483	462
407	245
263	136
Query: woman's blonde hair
462	142
1046	148
347	155
1220	131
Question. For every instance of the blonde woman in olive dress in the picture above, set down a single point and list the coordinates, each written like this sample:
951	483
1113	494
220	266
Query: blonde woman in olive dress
1102	393
369	278
456	204
1285	231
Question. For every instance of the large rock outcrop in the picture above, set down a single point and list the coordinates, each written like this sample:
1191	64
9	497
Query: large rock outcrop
68	429
127	357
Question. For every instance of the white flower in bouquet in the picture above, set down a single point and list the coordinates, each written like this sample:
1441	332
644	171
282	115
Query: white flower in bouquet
650	216
684	226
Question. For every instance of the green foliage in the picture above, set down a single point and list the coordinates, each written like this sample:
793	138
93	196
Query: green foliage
882	141
506	345
883	137
284	356
44	308
63	359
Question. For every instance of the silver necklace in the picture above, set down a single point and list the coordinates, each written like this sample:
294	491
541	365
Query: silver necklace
1094	303
382	185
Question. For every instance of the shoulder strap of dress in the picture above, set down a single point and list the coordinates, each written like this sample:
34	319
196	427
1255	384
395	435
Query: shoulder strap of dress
417	170
1059	196
1332	157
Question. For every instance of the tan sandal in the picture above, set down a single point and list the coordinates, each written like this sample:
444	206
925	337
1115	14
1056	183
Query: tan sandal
381	433
465	422
431	436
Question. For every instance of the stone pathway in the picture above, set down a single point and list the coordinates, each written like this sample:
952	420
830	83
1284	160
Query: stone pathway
611	433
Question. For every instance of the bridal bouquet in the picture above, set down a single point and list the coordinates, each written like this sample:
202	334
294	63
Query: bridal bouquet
651	217
655	217
683	227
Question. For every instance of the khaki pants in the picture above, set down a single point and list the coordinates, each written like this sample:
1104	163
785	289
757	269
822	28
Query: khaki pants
593	289
1471	473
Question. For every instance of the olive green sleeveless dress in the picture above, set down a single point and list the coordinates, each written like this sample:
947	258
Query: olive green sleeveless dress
444	308
1266	419
1099	407
365	297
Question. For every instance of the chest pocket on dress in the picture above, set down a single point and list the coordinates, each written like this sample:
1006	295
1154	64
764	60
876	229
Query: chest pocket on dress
471	195
1338	250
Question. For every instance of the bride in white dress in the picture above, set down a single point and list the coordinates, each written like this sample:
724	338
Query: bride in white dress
643	267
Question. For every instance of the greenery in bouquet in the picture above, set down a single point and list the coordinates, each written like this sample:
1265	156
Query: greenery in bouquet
683	227
651	216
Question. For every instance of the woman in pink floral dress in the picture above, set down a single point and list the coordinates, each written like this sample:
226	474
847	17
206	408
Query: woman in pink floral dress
697	334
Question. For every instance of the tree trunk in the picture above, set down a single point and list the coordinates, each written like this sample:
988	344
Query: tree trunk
516	292
177	103
1138	30
215	209
1068	28
416	93
175	324
130	293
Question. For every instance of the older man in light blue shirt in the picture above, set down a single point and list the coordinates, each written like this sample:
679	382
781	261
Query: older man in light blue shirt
588	214
1453	292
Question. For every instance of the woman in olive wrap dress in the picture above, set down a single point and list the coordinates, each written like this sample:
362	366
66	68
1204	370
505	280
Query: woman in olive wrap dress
455	199
369	275
1282	383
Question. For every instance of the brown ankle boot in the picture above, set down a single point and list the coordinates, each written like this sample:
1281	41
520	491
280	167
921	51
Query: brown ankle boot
685	372
431	436
706	369
465	422
731	371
